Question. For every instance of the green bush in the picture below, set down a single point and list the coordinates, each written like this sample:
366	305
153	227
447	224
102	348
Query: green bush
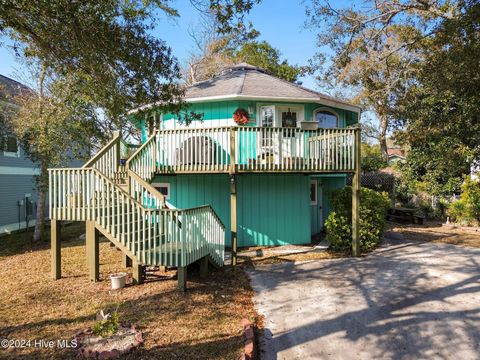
466	210
373	211
426	209
107	325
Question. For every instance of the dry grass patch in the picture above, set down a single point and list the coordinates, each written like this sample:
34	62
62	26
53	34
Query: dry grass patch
203	323
435	232
270	255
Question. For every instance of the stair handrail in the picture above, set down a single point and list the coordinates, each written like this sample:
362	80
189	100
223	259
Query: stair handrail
139	150
135	180
98	157
125	193
201	207
202	238
200	231
147	191
103	176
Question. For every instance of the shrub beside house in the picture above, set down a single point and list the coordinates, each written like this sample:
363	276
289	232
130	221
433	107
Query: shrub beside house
373	211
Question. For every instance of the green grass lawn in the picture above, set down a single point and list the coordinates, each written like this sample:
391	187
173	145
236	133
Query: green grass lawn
203	323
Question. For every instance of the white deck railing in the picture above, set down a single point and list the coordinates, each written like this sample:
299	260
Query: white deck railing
193	150
154	236
108	158
141	167
251	149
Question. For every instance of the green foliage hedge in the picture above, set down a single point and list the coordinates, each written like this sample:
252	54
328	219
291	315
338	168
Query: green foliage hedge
373	211
466	210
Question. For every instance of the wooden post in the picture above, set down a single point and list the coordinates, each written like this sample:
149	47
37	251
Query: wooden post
127	262
154	155
118	136
137	273
233	197
356	183
204	267
93	253
233	217
232	168
55	249
182	278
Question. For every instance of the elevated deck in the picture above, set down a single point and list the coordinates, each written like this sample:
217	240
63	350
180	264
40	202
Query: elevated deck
119	203
249	150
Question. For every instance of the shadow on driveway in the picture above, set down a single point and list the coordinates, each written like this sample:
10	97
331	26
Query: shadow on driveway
406	300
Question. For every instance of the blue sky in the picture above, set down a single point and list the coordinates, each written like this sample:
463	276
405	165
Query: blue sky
280	23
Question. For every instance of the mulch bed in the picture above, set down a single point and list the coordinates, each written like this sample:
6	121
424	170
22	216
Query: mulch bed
437	232
123	341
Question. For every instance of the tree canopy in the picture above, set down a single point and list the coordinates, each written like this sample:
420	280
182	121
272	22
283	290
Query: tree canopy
101	59
377	48
215	50
441	110
414	63
104	47
372	159
262	54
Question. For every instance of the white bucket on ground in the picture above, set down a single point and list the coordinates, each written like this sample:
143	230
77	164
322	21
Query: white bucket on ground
118	280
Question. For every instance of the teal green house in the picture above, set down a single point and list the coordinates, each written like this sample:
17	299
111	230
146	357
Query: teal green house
254	171
292	147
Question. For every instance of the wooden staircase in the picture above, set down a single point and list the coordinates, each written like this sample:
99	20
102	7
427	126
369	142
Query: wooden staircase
116	198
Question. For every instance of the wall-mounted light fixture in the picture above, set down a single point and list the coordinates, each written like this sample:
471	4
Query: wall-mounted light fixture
250	109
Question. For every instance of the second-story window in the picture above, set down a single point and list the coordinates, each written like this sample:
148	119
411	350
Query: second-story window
9	145
326	119
267	116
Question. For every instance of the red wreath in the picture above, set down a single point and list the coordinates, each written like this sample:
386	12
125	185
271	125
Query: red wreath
240	116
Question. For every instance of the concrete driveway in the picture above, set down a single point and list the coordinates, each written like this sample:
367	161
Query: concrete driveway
406	300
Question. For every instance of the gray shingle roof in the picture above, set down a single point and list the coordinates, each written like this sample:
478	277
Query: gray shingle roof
250	81
10	88
247	81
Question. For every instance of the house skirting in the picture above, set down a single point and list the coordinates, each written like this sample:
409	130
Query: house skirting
10	228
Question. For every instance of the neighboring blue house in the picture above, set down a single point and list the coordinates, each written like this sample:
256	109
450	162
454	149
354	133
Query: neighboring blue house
17	174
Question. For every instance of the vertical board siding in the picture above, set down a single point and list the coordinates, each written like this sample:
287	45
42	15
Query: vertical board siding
216	112
196	190
273	210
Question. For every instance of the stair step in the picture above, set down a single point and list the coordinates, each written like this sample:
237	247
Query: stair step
118	226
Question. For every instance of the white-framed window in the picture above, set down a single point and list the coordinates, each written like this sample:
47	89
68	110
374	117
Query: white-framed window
290	116
326	118
267	116
163	188
9	145
280	115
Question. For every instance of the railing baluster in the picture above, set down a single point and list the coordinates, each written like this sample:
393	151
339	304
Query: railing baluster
157	235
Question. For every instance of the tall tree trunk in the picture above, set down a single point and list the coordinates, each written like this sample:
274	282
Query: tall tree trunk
42	184
382	137
42	187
